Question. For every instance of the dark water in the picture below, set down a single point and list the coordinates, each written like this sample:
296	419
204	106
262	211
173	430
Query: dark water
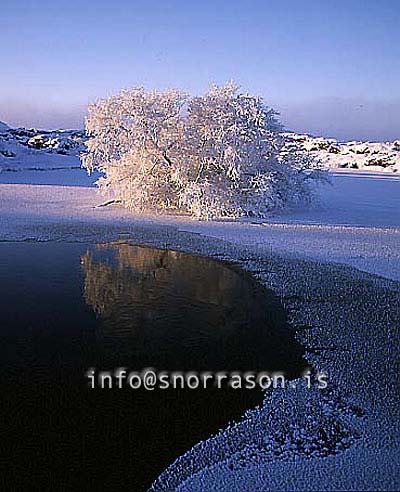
67	307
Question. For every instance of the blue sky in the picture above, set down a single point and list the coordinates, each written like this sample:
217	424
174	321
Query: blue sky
331	67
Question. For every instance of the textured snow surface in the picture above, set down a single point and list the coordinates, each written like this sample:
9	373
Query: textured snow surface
345	438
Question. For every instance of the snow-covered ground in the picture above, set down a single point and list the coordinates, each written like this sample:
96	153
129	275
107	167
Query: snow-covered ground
356	221
347	319
64	177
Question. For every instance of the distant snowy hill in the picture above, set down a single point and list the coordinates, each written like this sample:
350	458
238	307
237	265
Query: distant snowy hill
22	148
368	156
30	149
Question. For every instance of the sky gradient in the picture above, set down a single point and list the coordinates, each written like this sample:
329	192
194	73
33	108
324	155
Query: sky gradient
330	67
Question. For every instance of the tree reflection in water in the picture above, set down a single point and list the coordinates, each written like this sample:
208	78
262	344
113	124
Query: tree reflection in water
178	311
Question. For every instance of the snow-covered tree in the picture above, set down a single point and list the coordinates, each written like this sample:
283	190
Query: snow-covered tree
216	155
134	141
